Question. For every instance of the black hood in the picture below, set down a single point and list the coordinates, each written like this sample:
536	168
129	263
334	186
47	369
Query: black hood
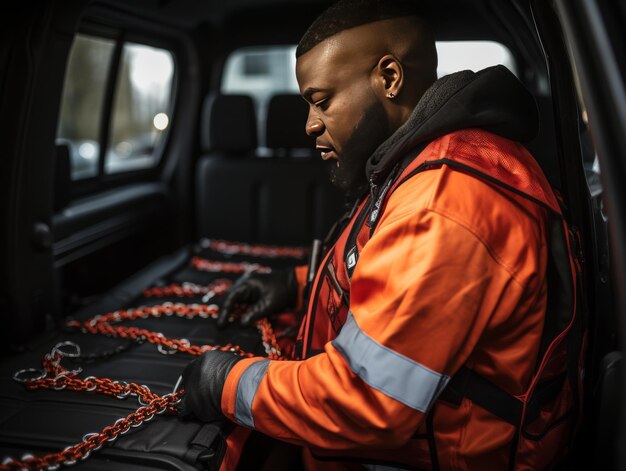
492	99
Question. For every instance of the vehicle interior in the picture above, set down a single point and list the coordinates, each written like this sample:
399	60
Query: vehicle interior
156	143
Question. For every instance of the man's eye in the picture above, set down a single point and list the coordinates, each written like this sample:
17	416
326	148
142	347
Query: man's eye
322	104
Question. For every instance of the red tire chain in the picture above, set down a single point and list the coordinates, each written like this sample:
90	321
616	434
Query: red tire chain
57	377
104	325
216	288
151	404
258	250
204	264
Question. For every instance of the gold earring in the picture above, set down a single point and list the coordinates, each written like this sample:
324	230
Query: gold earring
391	95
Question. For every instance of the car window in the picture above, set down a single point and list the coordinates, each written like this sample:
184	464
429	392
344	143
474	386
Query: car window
265	71
82	102
140	108
137	117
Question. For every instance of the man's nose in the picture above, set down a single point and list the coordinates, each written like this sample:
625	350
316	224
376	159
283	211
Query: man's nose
314	126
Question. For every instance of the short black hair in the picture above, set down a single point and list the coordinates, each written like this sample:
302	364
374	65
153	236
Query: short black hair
346	14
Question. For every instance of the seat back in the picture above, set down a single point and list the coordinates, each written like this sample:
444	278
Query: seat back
265	200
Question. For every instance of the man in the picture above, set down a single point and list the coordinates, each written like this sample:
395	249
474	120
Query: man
429	341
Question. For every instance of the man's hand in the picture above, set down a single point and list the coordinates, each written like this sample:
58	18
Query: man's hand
265	294
203	381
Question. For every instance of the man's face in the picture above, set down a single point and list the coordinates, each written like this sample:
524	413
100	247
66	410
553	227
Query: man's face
345	116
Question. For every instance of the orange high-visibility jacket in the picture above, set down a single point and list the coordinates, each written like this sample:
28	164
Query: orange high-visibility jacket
452	276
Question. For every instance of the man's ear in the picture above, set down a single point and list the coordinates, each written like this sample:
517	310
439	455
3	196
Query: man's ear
389	76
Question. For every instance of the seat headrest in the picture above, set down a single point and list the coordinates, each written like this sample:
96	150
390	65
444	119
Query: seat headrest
286	119
229	124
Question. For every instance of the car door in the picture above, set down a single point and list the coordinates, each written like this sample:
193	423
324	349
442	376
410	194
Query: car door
87	194
585	38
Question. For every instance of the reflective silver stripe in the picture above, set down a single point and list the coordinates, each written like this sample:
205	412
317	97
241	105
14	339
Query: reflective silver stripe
387	371
246	390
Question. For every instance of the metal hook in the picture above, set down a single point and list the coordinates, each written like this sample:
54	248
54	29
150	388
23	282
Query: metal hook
18	375
177	385
58	348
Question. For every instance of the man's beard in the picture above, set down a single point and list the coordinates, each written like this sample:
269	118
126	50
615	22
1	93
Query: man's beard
369	133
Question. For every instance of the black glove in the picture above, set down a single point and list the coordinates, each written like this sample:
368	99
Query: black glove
265	293
203	381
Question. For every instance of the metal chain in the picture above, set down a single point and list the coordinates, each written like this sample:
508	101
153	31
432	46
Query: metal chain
55	376
257	250
105	325
204	264
186	289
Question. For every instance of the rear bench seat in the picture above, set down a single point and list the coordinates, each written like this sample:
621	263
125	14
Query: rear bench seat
277	200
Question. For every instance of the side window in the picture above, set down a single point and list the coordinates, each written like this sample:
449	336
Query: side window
140	108
82	103
127	131
262	72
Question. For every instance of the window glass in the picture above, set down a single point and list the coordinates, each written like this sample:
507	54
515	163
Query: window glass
82	101
265	71
141	107
261	71
473	55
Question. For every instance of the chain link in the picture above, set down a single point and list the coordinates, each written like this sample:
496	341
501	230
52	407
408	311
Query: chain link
216	288
204	264
105	325
257	250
